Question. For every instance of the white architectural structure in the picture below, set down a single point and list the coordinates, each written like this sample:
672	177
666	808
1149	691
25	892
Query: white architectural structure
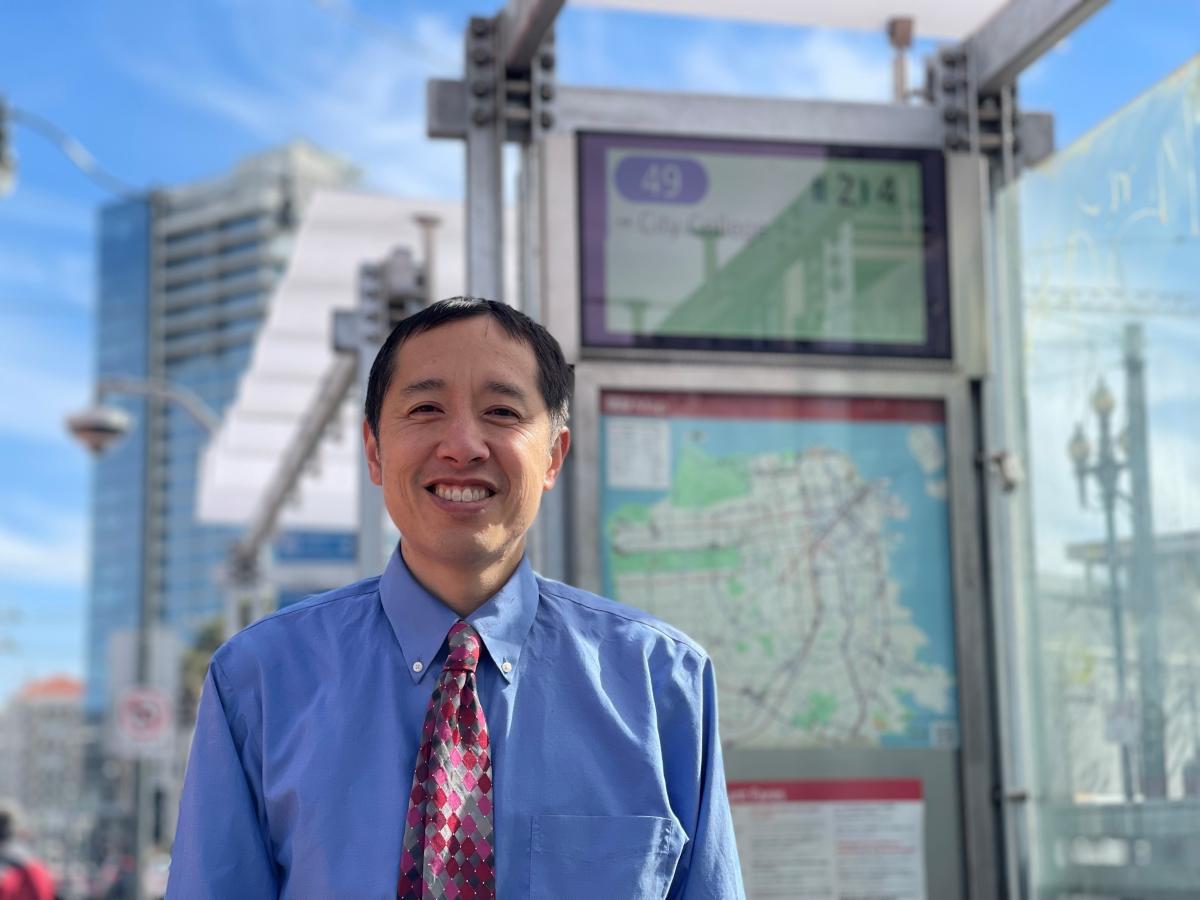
292	356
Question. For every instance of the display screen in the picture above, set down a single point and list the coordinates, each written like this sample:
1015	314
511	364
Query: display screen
804	541
745	245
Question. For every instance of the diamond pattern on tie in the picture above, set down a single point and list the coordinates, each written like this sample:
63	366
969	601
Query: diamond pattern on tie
447	850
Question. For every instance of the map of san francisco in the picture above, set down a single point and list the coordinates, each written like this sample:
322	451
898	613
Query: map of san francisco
805	544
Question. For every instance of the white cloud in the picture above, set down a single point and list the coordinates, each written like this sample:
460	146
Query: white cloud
52	552
352	88
42	400
45	373
818	64
54	275
30	207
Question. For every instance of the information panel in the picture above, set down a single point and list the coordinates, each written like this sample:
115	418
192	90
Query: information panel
804	541
831	840
743	245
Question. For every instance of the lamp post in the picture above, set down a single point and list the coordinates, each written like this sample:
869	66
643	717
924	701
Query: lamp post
97	428
70	147
1130	453
1106	469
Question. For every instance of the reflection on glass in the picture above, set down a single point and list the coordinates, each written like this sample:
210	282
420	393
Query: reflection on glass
1107	240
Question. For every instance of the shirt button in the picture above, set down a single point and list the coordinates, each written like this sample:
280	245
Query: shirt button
418	666
506	667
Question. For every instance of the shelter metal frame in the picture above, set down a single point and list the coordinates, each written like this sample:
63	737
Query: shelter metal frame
988	63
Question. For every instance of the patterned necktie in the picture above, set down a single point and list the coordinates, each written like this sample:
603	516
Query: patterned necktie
447	850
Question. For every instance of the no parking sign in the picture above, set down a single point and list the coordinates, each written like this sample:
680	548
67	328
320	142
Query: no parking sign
144	723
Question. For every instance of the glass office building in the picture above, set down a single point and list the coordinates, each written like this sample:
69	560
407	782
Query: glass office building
185	278
119	488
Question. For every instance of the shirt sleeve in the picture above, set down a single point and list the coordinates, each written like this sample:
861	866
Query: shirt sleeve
709	868
221	846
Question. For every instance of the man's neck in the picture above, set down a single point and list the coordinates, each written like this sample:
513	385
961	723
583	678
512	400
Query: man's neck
462	588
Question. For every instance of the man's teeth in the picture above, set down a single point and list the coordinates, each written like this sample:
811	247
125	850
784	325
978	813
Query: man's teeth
461	495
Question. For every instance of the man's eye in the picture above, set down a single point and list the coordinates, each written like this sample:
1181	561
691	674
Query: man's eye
503	412
424	408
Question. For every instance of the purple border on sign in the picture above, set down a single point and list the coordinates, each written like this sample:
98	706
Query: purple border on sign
593	151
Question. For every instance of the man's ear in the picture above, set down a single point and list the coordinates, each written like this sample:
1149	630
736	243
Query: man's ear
558	452
371	449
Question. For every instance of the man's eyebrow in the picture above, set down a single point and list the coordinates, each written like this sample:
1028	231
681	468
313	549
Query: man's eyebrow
507	390
423	386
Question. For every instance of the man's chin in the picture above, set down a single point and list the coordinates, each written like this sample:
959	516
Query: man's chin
471	552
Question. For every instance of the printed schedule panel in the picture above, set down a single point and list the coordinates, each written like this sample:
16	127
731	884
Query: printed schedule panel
761	246
837	839
804	541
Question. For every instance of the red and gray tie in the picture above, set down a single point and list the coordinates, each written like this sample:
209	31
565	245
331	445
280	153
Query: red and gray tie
447	850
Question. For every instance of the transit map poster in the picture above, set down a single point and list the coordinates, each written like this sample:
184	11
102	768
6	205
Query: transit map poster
762	246
804	542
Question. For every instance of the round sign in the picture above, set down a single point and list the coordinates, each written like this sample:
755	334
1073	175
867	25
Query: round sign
143	714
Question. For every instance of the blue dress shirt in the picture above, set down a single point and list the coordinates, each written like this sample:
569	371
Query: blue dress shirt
603	724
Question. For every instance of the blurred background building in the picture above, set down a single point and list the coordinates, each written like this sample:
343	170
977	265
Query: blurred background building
184	282
43	737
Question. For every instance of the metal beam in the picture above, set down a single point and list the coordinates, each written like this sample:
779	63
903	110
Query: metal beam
446	113
764	118
525	23
665	112
485	133
1019	33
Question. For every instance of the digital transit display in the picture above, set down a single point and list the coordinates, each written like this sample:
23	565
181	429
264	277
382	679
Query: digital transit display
746	245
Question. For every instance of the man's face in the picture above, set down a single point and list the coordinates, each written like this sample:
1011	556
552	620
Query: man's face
465	447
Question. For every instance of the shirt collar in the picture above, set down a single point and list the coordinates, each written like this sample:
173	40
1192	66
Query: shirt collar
421	621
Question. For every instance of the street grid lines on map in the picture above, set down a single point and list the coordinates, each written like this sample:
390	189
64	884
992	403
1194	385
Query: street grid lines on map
805	543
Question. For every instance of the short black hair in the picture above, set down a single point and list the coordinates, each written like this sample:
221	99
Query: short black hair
556	378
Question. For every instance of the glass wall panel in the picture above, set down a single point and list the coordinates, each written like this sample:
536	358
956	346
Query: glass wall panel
1098	259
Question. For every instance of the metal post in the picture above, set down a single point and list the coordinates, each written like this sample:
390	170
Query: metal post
372	308
1107	473
428	223
900	34
370	497
1142	575
485	161
155	423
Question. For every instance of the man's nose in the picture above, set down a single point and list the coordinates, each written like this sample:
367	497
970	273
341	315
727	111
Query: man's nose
463	441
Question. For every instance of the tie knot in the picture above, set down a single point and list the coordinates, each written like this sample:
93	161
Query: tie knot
464	648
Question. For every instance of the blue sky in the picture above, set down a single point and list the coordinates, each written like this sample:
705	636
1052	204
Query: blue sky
170	92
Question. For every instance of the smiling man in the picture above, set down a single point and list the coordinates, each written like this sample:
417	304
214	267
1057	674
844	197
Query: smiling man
459	727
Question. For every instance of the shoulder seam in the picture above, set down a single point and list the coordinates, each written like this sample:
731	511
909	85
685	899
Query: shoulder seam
280	613
687	644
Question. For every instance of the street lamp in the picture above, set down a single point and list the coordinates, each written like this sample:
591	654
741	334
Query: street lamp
70	147
97	428
1106	469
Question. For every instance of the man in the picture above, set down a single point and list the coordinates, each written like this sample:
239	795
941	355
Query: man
22	877
459	726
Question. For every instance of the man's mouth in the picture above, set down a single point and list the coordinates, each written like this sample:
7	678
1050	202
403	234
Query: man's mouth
460	494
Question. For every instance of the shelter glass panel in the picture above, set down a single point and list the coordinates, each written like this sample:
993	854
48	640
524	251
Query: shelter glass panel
1099	254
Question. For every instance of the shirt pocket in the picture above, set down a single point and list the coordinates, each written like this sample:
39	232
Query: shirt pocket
583	857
